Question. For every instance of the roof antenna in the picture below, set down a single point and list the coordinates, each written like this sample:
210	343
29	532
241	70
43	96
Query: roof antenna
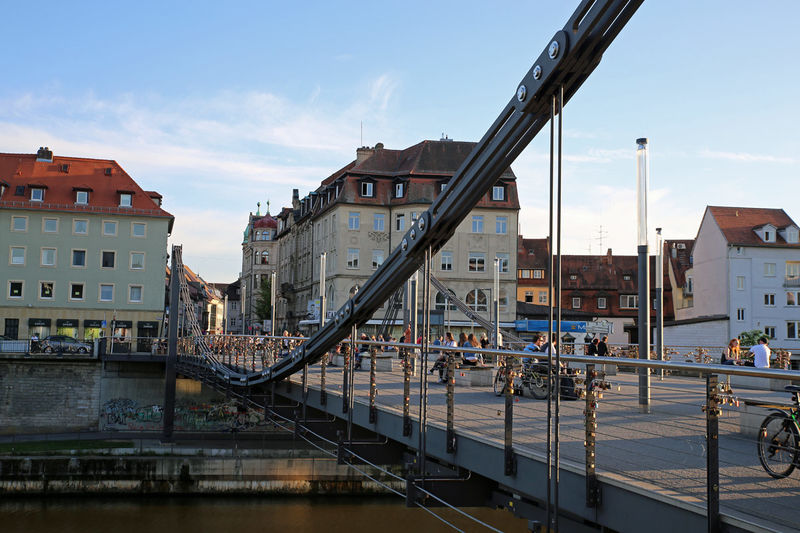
362	133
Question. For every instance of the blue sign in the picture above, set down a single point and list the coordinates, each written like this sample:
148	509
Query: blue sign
567	326
104	324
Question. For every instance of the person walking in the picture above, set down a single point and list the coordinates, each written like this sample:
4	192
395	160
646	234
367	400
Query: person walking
602	347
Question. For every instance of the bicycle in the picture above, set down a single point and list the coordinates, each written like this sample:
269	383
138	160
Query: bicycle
779	438
530	375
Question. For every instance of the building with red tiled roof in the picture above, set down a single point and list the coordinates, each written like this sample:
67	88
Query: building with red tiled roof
744	275
358	215
259	261
86	248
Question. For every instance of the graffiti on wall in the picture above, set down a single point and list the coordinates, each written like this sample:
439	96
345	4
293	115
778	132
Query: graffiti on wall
126	414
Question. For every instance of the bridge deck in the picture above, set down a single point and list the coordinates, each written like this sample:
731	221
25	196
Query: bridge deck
663	451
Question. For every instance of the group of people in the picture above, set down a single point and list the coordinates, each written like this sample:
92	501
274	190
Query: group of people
760	354
598	347
467	358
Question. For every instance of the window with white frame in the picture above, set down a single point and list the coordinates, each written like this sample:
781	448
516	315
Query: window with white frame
769	299
477	223
354	220
106	292
576	303
125	199
740	314
445	302
792	298
15	289
769	270
82	197
37	195
792	270
377	259
629	301
138	229
50	225
503	262
447	262
769	331
79	258
543	297
529	297
135	293
739	283
80	226
792	235
108	259
501	225
46	289
498	193
538	274
352	257
477	262
19	223
48	257
17	255
399	190
378	220
476	300
602	303
524	273
414	216
503	300
109	228
793	329
400	222
137	260
367	189
689	285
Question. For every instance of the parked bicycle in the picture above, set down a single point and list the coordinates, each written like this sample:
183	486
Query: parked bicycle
779	438
532	376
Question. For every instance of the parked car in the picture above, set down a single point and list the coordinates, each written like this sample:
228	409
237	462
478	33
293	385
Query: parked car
63	343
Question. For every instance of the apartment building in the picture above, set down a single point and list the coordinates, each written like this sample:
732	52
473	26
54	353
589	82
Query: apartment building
259	261
85	248
359	214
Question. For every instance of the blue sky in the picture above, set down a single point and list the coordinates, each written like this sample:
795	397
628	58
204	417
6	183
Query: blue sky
220	106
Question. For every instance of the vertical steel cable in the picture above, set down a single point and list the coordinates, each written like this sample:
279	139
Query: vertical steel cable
556	427
550	312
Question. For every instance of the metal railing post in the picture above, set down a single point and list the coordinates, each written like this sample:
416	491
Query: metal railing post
510	467
373	386
406	359
592	485
323	367
712	452
451	389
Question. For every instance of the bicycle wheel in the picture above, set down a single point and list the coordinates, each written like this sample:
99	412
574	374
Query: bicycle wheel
778	445
537	383
500	382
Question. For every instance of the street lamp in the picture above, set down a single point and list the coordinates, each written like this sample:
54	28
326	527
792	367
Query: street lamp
644	267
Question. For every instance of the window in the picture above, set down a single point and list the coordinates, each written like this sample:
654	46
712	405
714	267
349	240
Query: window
137	260
125	200
15	289
768	236
17	256
769	300
529	297
354	220
538	274
602	303
740	314
135	293
477	223
792	270
739	283
352	257
498	193
769	331
138	229
793	330
109	228
524	273
769	270
573	277
443	302
46	290
543	298
689	285
626	277
503	300
378	221
792	297
629	301
447	262
367	189
19	223
106	292
503	263
80	226
476	300
82	197
377	259
48	257
501	225
477	262
50	225
264	258
442	186
76	291
37	195
400	222
79	258
399	189
792	235
108	259
576	303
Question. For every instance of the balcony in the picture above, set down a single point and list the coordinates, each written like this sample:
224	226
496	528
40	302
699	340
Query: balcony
791	281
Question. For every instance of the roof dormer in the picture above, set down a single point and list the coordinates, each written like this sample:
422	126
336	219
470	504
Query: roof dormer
790	234
767	232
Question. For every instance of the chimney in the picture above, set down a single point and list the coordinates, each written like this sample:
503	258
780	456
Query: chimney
44	154
365	152
609	257
295	199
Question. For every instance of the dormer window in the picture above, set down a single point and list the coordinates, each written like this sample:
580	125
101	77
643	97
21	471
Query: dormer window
399	190
768	232
768	236
37	195
125	199
792	235
498	193
367	189
82	197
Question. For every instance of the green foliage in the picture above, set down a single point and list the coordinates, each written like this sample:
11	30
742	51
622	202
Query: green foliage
264	299
750	338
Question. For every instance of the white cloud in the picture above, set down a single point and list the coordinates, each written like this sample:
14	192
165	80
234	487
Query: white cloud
746	157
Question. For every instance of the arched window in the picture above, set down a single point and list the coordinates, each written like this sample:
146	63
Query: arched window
265	257
476	299
443	303
258	235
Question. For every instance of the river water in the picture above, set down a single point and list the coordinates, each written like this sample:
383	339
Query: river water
239	515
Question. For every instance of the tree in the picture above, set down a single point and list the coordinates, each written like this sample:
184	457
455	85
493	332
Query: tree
264	299
750	338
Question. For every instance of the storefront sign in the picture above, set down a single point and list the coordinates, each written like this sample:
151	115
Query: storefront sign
38	322
142	324
66	323
92	323
541	325
122	323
